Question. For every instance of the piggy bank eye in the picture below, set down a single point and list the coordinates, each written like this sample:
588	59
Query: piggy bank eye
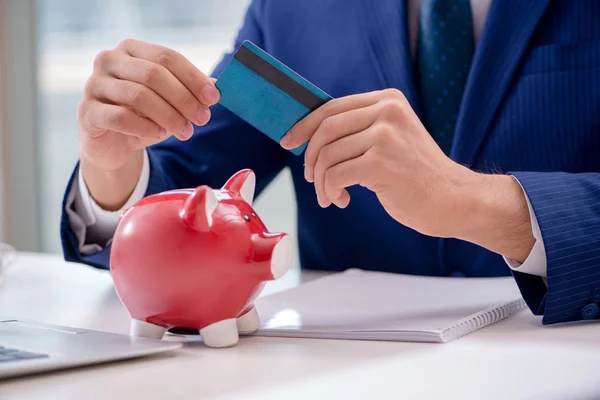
253	214
246	217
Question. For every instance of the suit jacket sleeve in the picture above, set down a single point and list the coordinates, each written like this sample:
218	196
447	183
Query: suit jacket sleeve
567	207
215	152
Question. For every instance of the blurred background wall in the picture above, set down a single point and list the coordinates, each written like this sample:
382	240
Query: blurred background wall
47	52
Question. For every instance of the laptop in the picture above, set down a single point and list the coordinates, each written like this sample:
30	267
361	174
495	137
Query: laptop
28	347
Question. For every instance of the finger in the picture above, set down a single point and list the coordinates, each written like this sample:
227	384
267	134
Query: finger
163	83
333	129
305	128
199	84
343	200
101	117
144	101
343	175
344	149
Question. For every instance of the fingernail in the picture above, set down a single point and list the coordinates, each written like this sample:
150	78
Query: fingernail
324	203
210	95
340	204
308	175
188	131
286	141
162	134
203	116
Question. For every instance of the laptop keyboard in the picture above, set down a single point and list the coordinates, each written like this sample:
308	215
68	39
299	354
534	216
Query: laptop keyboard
8	354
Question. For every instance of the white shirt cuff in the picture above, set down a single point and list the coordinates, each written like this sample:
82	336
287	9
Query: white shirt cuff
536	263
93	226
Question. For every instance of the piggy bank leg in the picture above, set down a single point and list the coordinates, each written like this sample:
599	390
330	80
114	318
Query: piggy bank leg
220	334
249	322
146	330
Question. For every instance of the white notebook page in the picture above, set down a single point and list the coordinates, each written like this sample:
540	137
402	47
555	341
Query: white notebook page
365	301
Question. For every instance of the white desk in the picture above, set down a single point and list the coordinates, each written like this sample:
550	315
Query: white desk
515	359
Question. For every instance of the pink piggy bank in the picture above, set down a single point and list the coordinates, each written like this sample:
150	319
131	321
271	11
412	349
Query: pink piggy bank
196	259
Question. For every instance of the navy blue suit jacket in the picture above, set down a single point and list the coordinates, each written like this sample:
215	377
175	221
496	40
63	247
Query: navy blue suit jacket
531	108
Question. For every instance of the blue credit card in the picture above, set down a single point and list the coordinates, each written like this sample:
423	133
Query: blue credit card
266	93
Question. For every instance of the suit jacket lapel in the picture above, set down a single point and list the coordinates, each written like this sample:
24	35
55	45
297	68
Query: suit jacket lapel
509	27
385	25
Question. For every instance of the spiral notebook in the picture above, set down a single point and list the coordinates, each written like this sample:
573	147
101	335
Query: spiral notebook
369	305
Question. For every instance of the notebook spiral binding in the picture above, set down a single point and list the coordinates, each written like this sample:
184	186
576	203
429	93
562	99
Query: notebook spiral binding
482	319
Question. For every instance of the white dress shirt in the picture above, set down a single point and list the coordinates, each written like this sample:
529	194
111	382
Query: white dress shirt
94	227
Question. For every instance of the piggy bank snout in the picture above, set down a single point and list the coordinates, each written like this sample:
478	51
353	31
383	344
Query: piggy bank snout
281	258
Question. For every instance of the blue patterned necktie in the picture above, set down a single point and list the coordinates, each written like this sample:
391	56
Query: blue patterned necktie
444	52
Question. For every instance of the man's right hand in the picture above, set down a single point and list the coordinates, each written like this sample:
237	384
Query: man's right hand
138	94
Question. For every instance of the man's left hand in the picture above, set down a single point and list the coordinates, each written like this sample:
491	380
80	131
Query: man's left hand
375	140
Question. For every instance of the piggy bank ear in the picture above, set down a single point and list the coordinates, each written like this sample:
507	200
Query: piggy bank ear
198	208
242	183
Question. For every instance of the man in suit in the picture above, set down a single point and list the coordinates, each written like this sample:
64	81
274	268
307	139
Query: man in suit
462	140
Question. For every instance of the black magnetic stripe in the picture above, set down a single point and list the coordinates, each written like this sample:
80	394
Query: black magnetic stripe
278	78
